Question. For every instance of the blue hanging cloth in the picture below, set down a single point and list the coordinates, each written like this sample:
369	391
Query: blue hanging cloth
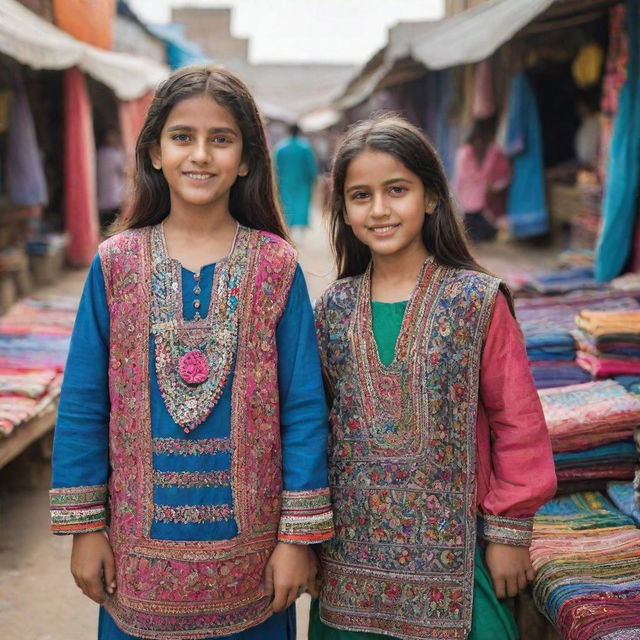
26	183
526	206
620	202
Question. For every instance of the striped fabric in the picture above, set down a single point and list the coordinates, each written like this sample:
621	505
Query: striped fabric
78	510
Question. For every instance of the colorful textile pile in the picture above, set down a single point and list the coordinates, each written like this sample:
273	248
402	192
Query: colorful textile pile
558	282
613	461
587	559
608	342
34	341
549	374
583	416
551	345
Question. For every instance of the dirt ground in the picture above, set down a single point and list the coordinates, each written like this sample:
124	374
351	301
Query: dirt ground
38	598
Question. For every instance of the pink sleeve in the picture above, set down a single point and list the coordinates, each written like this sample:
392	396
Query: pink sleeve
521	475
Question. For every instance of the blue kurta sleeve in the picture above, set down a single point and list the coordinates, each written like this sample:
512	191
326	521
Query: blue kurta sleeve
306	511
81	439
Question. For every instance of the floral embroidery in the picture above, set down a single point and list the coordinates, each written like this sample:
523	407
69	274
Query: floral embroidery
182	447
402	452
192	514
188	590
184	479
194	357
193	367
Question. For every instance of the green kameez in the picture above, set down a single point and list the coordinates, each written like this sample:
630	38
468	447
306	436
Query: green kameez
491	619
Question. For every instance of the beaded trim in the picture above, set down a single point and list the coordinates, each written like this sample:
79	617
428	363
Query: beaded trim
306	516
175	446
514	531
213	338
192	514
78	509
189	479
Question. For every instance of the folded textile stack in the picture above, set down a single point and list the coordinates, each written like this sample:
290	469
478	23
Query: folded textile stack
608	342
563	281
584	416
587	559
577	300
551	346
34	342
613	461
549	374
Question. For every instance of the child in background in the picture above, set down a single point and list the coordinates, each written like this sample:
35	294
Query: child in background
438	438
192	404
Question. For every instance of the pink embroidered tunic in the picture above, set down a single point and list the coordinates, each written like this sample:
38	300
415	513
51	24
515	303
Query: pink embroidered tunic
193	408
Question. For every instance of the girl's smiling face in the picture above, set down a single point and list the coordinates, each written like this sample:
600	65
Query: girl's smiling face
199	153
385	204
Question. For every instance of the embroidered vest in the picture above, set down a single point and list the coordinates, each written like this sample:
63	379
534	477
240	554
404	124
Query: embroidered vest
402	456
197	589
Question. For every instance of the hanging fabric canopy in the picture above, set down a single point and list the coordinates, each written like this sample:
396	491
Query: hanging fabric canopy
623	172
37	43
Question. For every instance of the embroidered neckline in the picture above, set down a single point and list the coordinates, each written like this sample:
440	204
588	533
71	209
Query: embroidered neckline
194	357
364	316
385	400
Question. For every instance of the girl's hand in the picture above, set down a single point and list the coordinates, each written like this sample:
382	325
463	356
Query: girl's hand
92	565
510	568
292	569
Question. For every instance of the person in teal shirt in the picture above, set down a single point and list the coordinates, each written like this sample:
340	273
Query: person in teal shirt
296	172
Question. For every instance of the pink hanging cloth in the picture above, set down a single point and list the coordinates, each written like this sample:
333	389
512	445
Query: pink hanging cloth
81	209
132	114
484	105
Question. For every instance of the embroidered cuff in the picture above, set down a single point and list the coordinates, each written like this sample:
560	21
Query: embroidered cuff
78	509
306	517
515	531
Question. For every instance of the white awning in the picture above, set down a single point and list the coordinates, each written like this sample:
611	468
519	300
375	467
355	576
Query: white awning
32	41
468	37
475	34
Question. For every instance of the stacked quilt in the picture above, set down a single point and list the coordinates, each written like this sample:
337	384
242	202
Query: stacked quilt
549	336
587	559
591	427
608	342
34	342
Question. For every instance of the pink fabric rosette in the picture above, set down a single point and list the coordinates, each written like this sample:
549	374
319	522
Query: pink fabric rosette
193	367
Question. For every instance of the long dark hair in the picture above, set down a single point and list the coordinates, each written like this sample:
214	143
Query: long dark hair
442	232
253	200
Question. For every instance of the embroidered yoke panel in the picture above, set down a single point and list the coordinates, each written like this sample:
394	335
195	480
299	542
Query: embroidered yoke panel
402	456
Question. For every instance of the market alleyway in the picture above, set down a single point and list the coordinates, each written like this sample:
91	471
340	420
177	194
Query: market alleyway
38	598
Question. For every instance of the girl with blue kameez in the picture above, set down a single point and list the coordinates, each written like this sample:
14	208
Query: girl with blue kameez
190	448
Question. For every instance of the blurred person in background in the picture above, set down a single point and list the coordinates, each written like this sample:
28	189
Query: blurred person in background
481	176
110	167
296	171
